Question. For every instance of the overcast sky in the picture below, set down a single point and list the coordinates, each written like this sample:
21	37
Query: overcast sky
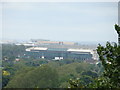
60	21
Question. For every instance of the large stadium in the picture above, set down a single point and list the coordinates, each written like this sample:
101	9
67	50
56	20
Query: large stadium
61	53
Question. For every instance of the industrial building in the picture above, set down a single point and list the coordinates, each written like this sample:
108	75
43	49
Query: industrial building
39	42
60	53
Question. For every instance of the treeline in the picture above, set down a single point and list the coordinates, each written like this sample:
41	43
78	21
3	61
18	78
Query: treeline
11	51
50	75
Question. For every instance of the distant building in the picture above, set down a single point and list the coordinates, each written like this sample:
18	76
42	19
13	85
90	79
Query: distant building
60	53
38	42
48	42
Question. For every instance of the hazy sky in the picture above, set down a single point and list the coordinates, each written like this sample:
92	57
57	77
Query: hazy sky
60	21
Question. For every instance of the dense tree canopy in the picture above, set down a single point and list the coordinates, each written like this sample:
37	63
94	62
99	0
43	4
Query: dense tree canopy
42	76
110	58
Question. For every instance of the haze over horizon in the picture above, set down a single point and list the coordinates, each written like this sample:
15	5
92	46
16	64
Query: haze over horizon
85	22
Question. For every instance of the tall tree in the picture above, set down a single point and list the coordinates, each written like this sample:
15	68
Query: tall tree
117	28
110	58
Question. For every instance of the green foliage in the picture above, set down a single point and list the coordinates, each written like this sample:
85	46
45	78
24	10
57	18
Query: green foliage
5	80
91	73
21	71
12	51
86	79
67	71
86	73
83	66
69	61
75	83
117	28
64	84
42	77
110	58
35	62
